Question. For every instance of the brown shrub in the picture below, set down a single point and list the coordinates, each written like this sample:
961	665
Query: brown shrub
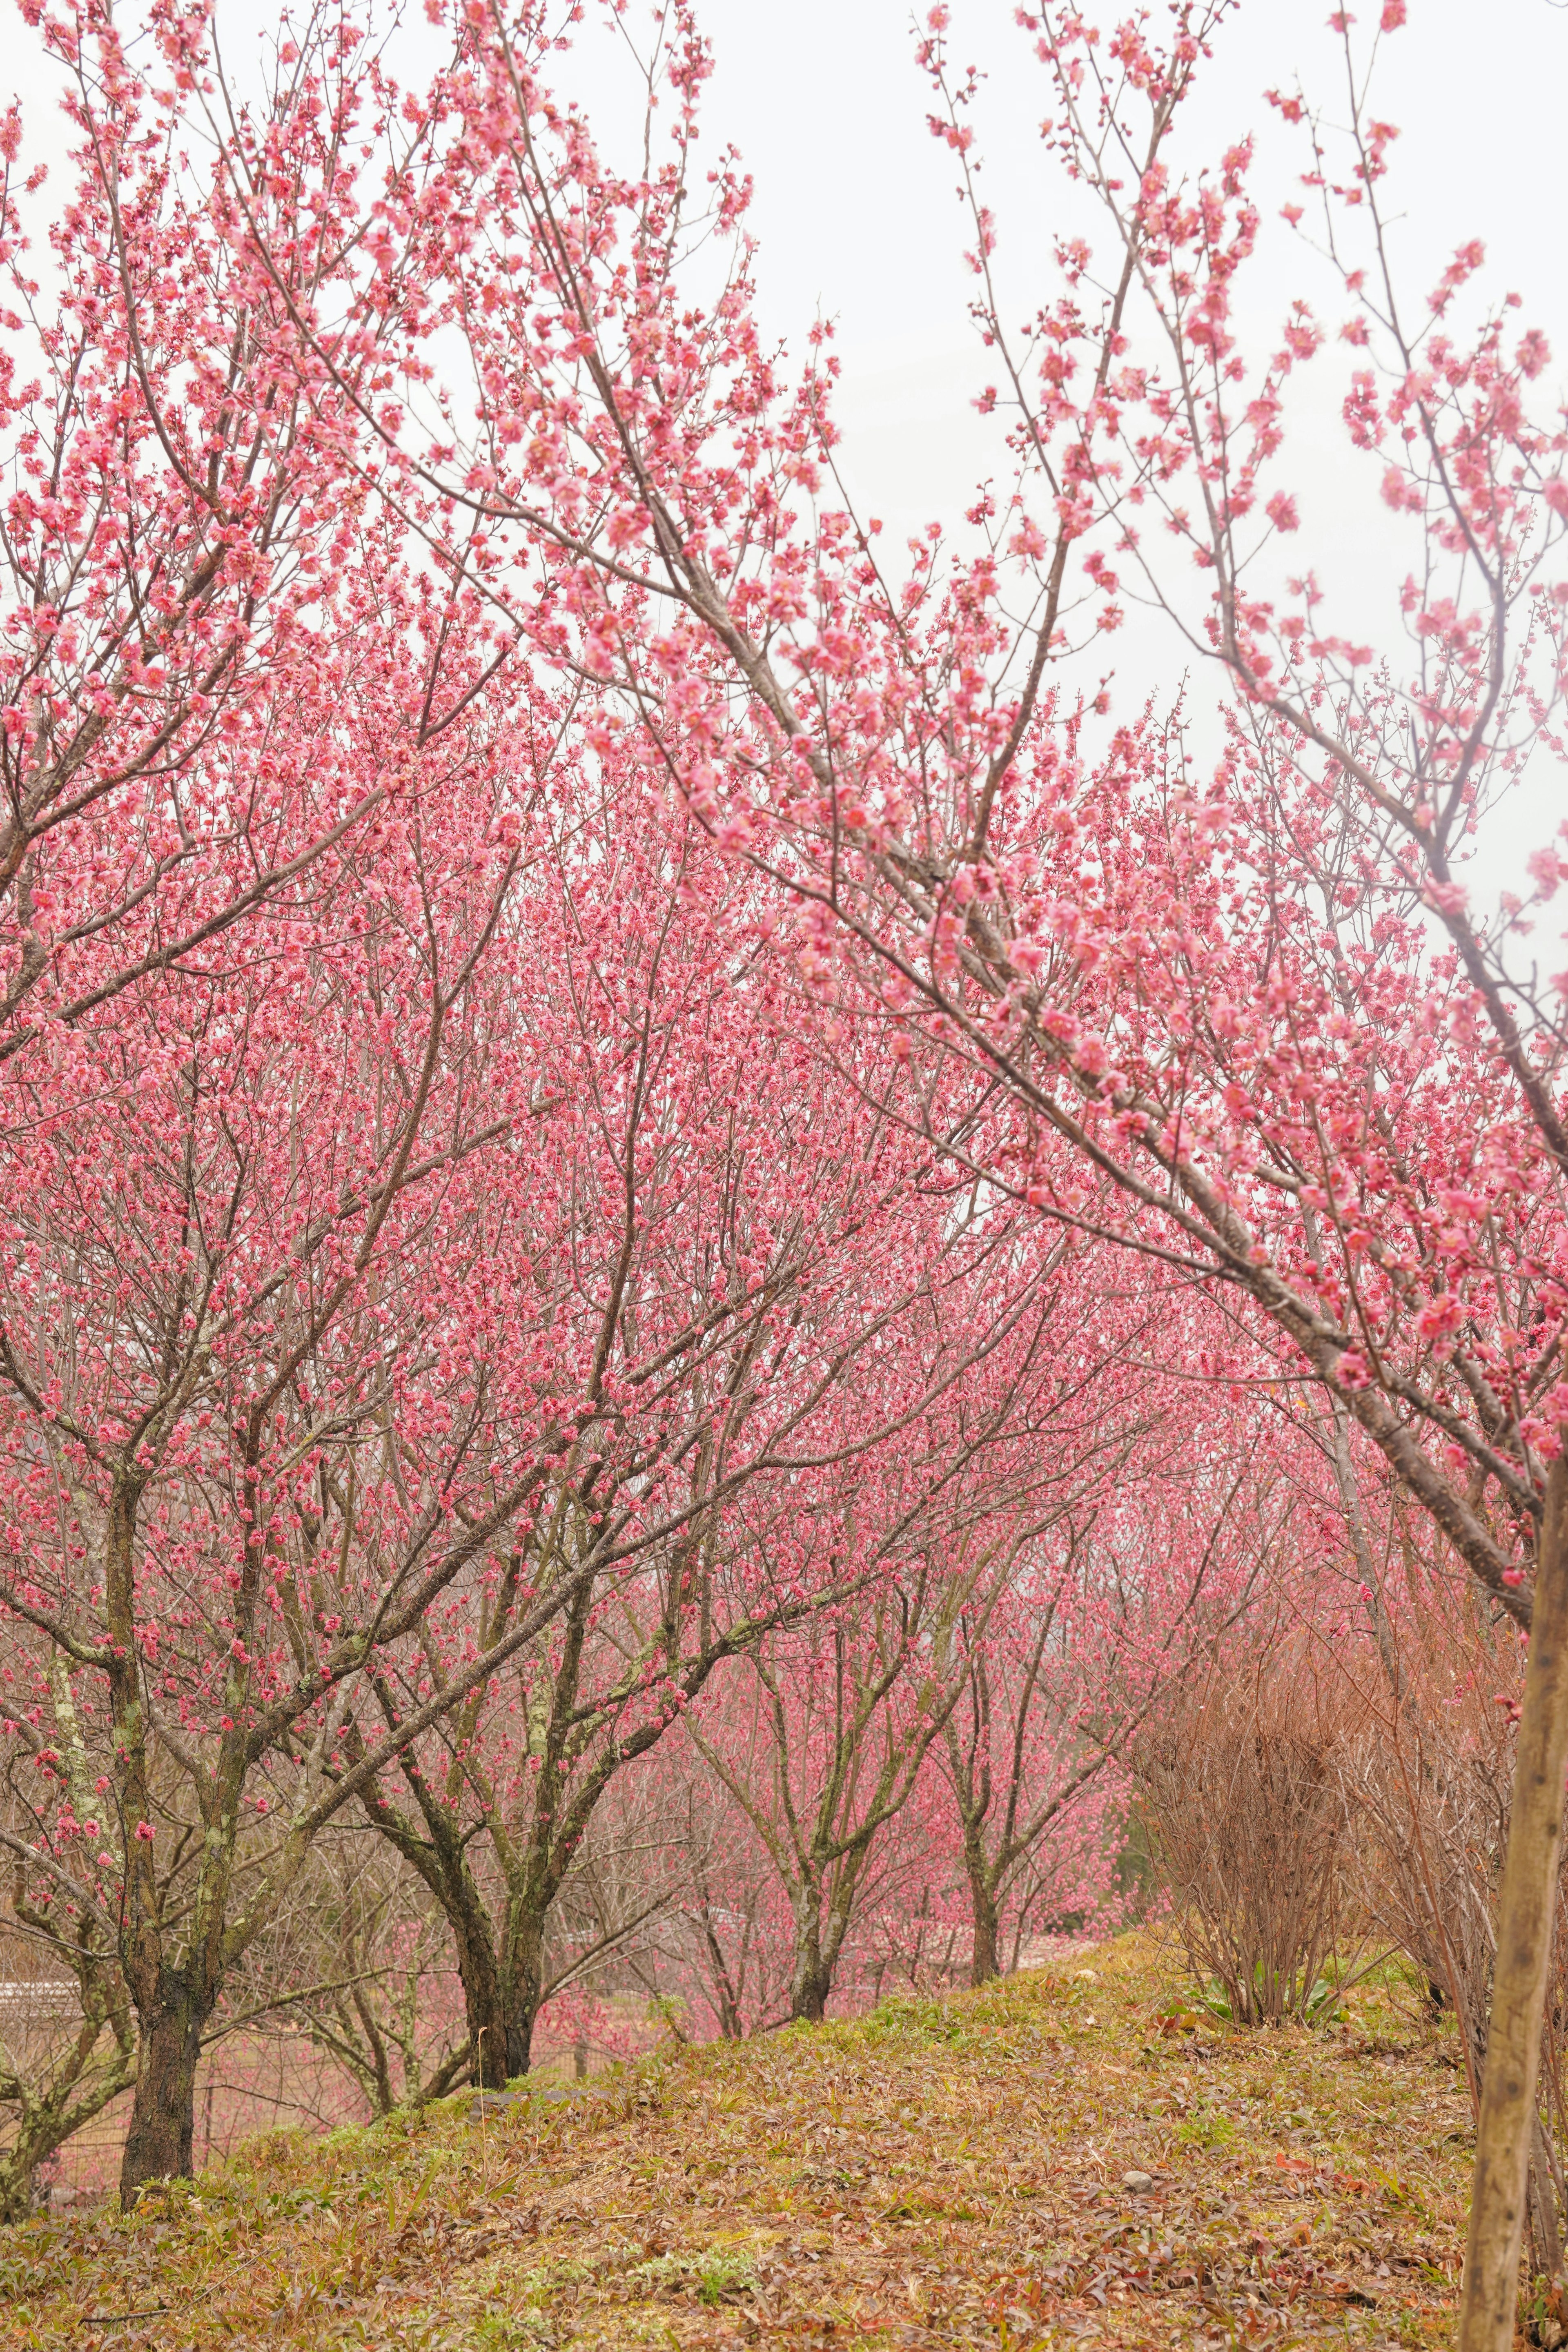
1428	1789
1239	1783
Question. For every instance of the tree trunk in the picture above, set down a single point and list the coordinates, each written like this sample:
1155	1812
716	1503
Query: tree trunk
810	1980
1505	2131
984	1960
501	2027
442	1863
731	2028
484	2007
809	1988
488	2040
158	2146
523	1984
520	2019
375	2043
18	2186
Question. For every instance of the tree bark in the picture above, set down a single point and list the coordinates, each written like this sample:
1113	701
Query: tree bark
159	2144
18	2186
985	1962
731	2027
811	1979
501	1996
483	2003
524	1981
1505	2131
809	1989
440	1858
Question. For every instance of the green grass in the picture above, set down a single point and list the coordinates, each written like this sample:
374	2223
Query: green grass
941	2172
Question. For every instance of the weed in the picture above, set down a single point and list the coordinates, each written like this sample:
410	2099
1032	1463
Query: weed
715	2276
964	2158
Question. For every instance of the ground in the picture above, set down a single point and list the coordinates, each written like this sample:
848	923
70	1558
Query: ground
1071	2157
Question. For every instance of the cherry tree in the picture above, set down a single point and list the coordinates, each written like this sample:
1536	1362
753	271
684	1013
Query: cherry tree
1070	921
196	589
244	1331
1218	992
1424	1241
724	1942
186	532
823	1734
1191	1007
1098	1622
774	1285
269	1423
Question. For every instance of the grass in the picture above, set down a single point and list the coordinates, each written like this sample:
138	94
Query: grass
941	2172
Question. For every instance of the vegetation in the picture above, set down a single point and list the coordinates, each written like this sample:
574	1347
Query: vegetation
706	1247
954	2171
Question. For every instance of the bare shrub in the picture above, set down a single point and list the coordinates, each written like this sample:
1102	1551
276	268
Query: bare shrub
1238	1783
1428	1786
359	1965
1428	1789
67	2041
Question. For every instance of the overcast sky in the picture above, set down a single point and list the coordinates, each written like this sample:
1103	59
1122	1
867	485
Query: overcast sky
856	213
857	218
855	206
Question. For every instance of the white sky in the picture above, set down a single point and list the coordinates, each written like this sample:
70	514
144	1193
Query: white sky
857	218
855	214
855	207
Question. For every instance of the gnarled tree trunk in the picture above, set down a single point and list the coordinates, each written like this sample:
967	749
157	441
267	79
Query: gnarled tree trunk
159	2144
524	1976
984	1960
811	1979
